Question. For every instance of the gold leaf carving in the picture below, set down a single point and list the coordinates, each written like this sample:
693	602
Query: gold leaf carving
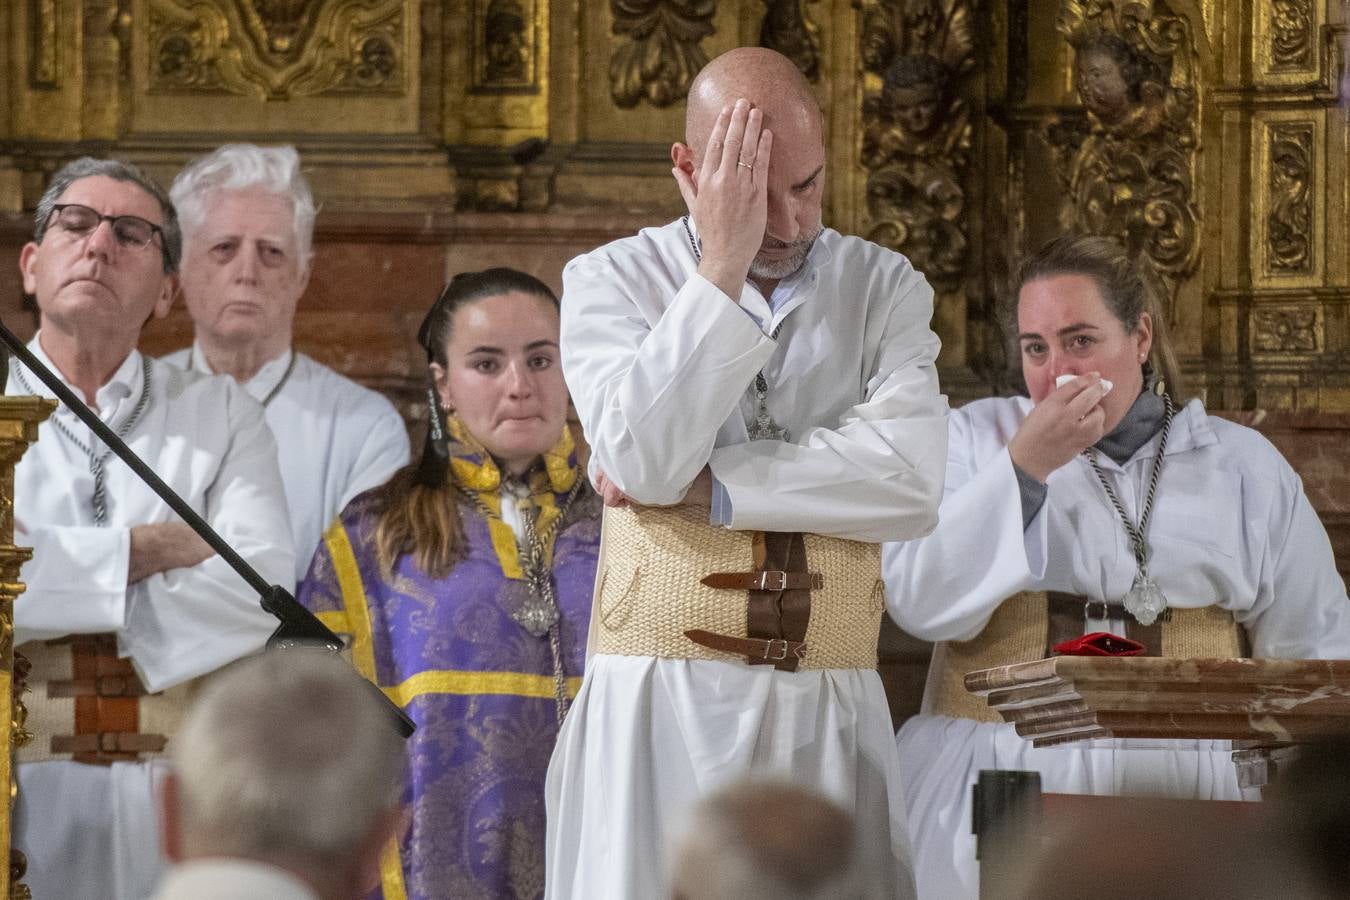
45	49
917	131
1129	158
787	30
276	49
504	45
1289	223
1285	331
279	27
661	53
1291	44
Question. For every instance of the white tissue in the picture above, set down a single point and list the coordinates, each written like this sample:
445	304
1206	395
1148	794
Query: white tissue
1066	378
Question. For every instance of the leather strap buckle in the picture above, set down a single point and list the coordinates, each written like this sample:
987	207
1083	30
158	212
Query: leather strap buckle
775	580
768	649
98	686
108	746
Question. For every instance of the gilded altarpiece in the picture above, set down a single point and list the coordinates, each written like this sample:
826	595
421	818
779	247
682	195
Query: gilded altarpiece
1208	135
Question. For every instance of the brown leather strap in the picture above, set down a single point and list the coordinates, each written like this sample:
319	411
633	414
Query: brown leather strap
772	580
771	651
1068	614
108	746
107	707
103	686
778	615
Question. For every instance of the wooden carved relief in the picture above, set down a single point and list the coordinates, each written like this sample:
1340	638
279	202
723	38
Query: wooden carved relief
278	49
44	47
1129	158
1291	38
505	46
1293	330
787	30
917	131
1289	223
660	52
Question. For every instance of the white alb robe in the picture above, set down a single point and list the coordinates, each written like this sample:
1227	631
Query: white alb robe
90	830
1230	526
225	878
660	364
335	439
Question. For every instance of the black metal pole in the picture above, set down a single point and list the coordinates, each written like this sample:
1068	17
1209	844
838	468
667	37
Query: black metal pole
297	626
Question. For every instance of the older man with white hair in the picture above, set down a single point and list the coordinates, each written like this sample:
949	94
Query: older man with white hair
286	785
248	225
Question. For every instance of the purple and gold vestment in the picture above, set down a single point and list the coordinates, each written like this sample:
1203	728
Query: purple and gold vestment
479	686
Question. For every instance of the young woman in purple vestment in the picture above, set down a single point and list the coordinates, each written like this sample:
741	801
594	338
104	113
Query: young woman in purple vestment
465	583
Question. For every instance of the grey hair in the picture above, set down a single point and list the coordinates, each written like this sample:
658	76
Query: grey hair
116	169
769	840
237	167
287	755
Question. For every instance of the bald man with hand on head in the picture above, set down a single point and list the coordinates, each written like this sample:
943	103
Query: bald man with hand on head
760	397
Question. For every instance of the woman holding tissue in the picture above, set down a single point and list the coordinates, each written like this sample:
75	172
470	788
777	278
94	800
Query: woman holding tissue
1101	503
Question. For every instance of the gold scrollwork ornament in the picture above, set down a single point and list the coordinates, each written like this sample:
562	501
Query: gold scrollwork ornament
1130	163
277	49
660	51
917	132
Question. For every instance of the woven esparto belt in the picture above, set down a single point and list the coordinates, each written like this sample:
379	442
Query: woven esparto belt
671	585
87	705
1027	625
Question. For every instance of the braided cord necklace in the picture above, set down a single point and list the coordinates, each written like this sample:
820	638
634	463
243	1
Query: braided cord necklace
539	616
1145	600
97	462
764	428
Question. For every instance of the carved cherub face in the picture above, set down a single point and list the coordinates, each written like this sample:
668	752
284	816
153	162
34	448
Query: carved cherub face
917	109
1102	85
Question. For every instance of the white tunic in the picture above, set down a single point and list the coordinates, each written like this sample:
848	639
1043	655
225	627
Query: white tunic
90	830
334	438
222	878
659	363
1230	525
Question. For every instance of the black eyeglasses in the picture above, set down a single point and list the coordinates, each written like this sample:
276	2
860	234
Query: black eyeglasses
81	221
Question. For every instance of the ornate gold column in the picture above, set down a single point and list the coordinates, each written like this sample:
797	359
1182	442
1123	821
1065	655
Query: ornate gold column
19	420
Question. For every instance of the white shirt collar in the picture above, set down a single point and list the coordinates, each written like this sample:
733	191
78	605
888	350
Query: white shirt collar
788	294
112	398
261	384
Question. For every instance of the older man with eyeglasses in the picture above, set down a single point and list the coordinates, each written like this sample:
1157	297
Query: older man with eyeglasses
126	607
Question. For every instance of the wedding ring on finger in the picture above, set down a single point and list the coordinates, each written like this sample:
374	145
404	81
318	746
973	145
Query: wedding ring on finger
746	165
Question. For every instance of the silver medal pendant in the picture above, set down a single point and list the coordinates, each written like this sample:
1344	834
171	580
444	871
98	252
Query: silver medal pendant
766	429
536	616
1145	601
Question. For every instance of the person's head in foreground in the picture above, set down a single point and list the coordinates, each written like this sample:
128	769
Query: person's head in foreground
248	230
287	760
497	391
768	840
794	156
1084	307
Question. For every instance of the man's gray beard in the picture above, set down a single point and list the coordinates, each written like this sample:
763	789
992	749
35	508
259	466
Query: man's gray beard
778	269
